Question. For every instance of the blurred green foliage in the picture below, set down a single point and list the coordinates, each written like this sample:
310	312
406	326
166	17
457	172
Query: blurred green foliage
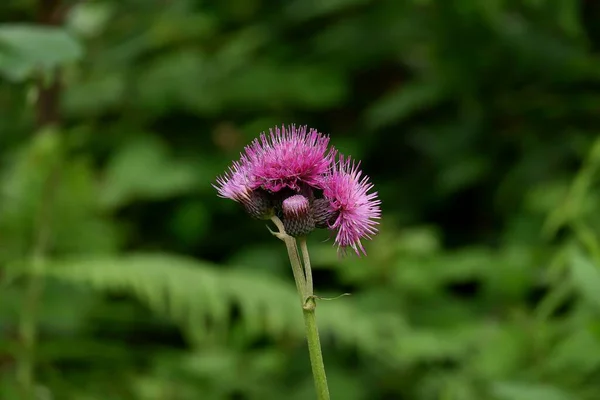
479	123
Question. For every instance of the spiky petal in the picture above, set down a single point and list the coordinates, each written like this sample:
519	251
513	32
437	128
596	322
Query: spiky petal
290	157
235	183
358	209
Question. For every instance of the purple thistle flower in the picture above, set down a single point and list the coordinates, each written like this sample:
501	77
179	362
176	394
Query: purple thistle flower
288	158
357	210
234	184
283	174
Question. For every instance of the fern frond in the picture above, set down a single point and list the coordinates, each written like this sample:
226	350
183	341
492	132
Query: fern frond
198	295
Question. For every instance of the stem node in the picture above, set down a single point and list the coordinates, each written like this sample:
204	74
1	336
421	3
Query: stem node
310	304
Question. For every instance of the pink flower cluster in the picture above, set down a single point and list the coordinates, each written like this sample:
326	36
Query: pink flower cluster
292	162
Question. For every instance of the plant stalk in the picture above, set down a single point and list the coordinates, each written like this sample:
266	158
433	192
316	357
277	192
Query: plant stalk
28	330
314	349
33	292
304	284
307	269
290	244
50	12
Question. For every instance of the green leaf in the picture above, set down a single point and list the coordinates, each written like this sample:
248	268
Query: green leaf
504	352
108	91
23	188
199	295
185	79
526	391
144	169
25	48
578	353
403	102
42	180
586	278
304	10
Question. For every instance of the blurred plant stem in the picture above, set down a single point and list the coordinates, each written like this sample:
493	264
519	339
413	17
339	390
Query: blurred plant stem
304	284
50	12
34	287
28	322
47	114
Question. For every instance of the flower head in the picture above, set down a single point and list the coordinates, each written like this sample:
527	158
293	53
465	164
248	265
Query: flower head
355	210
292	173
288	158
234	184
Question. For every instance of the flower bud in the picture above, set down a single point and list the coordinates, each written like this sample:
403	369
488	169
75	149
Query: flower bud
322	213
297	218
258	204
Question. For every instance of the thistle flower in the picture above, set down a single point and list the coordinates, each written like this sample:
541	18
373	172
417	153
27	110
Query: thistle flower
291	177
285	173
234	185
288	158
273	167
352	208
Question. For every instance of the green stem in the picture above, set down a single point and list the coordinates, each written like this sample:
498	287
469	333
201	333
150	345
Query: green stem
47	114
28	323
33	292
307	269
304	284
314	350
292	249
28	330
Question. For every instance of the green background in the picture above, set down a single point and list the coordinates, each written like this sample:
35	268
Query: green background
477	121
